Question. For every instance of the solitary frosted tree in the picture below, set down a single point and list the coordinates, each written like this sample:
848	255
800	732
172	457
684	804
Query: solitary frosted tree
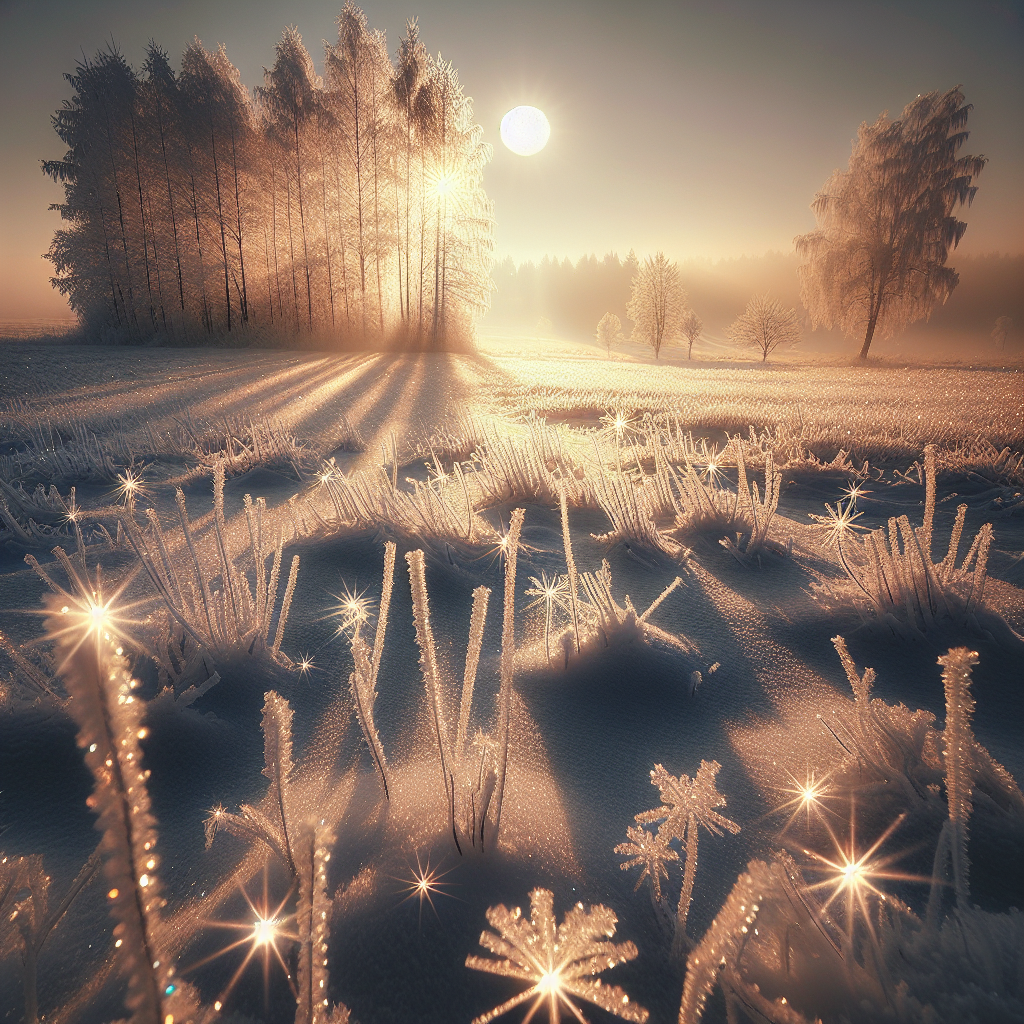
765	325
609	331
693	328
657	303
1002	328
877	260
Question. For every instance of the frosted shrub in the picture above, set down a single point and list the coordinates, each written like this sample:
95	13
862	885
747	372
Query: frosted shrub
470	780
45	516
533	463
26	919
890	574
597	619
235	618
842	948
440	509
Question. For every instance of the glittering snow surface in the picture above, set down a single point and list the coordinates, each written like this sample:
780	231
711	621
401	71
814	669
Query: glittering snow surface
732	672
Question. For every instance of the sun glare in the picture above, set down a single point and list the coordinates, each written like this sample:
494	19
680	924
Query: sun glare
525	130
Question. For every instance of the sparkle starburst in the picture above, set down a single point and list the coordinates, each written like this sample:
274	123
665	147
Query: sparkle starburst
425	884
353	609
850	873
838	522
855	489
129	487
265	931
807	795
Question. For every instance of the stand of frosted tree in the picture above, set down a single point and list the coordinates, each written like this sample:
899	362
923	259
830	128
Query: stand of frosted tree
349	206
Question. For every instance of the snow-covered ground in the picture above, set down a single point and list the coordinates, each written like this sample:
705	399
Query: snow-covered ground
435	452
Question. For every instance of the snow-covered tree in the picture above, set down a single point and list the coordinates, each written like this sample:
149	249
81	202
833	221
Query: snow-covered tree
693	328
877	260
609	332
765	325
657	303
1000	330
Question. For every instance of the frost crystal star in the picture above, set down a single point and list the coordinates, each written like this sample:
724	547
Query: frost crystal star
558	961
650	850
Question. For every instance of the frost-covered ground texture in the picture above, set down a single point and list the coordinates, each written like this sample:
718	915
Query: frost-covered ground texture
435	688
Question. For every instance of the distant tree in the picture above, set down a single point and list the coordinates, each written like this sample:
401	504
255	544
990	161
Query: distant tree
765	325
1000	330
877	260
544	328
609	331
693	328
657	303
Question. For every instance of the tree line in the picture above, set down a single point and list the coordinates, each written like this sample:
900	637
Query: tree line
348	205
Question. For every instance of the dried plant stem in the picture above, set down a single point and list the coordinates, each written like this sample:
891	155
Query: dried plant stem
508	655
431	678
570	564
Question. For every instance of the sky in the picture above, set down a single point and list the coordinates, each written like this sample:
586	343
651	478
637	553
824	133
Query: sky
699	129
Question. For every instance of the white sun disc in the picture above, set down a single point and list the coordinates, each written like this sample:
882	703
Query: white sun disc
525	130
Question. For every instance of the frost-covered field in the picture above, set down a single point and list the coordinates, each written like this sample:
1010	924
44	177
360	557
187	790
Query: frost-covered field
320	731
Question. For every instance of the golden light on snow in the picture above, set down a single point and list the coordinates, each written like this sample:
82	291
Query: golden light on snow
525	130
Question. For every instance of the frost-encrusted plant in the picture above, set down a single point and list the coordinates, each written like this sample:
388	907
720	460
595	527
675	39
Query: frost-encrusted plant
277	826
649	850
440	509
363	679
312	915
245	445
778	956
45	516
687	804
702	504
470	783
108	712
235	618
891	575
777	949
530	464
552	593
557	961
724	941
26	919
597	617
28	683
958	755
881	746
302	844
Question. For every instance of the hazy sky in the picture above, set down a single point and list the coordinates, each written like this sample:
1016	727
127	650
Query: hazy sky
702	129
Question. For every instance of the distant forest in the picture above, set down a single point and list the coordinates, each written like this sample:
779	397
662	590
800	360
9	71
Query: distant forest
350	205
573	297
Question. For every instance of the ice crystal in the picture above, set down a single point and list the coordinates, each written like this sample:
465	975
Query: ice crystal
559	962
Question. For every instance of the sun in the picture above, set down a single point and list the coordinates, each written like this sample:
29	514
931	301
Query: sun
525	130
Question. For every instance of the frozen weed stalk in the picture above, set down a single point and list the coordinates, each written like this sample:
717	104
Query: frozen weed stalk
109	714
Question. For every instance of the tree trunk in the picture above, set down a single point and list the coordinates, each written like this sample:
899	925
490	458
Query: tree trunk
302	220
238	226
868	336
220	218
